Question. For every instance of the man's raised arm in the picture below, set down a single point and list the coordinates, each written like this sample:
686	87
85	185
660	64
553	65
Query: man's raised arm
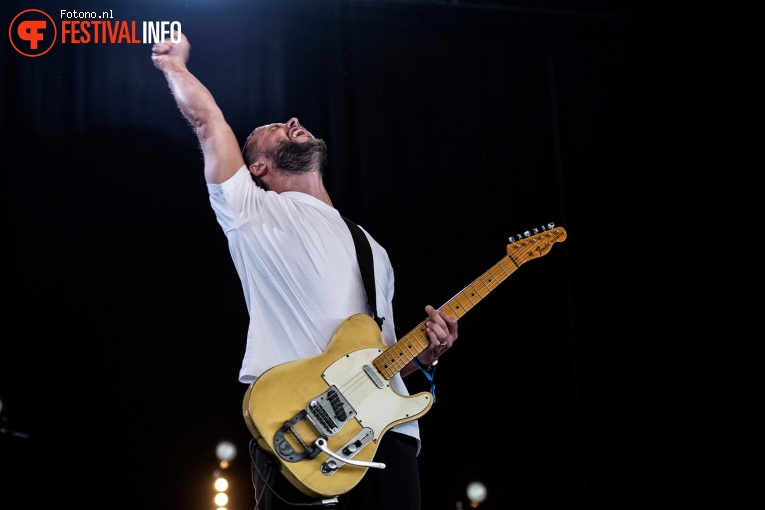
219	146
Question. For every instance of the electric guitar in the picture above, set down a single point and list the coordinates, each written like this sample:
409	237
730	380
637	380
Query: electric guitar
323	417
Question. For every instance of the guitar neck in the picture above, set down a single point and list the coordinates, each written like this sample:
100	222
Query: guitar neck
396	357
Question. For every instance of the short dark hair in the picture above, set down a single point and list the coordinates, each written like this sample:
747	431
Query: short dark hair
251	152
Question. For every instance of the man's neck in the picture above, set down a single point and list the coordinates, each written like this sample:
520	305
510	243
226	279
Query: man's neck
305	183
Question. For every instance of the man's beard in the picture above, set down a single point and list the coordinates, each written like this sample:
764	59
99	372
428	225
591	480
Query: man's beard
299	157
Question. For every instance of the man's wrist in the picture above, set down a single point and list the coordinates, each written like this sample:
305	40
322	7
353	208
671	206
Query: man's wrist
427	368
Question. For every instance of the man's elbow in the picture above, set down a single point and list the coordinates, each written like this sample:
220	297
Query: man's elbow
203	129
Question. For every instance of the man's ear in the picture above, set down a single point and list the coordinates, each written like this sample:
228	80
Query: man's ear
258	169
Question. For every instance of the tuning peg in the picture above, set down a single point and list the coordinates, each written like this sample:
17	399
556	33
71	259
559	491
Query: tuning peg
526	233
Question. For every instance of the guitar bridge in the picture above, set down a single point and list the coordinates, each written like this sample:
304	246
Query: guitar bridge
329	412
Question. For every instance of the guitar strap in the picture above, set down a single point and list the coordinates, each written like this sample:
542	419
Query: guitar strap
364	255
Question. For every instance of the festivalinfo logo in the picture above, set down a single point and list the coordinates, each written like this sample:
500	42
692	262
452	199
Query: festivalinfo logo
34	32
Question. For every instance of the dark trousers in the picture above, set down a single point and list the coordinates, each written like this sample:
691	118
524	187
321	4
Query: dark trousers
397	487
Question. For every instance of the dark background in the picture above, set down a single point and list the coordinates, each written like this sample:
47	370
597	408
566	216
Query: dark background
451	125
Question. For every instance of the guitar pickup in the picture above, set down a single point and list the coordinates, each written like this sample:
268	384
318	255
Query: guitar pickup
329	412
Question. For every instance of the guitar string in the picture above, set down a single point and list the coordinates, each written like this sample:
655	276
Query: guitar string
505	264
393	355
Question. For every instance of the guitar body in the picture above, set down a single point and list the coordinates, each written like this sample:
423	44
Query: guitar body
338	395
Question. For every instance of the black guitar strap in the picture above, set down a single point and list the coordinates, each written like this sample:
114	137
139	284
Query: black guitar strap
364	254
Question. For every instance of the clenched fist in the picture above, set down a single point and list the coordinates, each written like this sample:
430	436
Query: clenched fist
169	55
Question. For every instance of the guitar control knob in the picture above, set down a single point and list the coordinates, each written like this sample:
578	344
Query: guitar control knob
350	449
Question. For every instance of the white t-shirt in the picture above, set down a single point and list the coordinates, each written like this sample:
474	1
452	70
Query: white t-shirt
301	279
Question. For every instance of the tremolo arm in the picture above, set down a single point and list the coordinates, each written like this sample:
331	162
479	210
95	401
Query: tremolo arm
328	413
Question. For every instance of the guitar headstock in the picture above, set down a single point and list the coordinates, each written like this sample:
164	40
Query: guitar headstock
534	243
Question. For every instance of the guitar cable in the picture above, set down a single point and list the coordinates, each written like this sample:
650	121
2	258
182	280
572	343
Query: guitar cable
271	465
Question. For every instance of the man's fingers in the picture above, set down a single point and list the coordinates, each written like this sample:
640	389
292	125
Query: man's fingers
162	48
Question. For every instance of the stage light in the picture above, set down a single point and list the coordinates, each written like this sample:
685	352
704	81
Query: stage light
221	499
476	493
221	484
225	451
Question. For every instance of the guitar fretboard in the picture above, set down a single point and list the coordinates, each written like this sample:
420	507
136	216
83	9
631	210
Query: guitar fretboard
397	356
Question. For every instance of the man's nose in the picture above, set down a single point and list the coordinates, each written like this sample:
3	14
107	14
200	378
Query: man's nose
293	122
